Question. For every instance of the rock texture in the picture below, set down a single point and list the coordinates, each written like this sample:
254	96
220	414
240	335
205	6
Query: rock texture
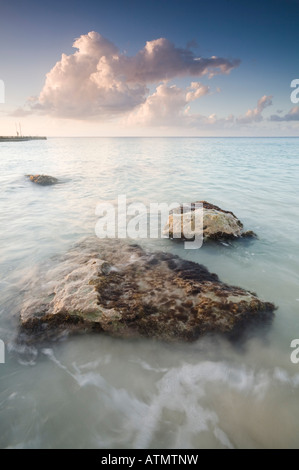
217	223
113	287
43	180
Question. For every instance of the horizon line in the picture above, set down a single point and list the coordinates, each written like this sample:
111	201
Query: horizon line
172	137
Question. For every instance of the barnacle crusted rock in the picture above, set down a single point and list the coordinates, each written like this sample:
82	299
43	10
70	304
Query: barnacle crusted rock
113	287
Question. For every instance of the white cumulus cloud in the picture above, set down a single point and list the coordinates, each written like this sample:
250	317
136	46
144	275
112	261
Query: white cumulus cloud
98	81
168	105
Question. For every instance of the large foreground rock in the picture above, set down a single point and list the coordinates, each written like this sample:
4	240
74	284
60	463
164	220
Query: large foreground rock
113	287
217	223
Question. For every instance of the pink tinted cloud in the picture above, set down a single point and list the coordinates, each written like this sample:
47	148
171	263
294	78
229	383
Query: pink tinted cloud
168	105
292	115
98	81
255	114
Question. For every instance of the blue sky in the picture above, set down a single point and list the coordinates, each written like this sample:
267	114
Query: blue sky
263	35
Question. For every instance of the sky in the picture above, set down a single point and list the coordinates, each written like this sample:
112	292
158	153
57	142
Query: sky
150	68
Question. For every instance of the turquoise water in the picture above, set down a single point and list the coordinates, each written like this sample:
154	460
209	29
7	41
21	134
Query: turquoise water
95	391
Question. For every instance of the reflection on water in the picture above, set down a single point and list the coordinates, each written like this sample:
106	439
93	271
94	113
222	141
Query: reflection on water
95	391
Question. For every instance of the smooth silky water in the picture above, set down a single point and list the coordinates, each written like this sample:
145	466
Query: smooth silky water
93	391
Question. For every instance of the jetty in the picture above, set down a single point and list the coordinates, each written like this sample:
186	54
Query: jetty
20	139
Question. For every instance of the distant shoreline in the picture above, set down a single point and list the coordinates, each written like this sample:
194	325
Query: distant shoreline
20	139
168	137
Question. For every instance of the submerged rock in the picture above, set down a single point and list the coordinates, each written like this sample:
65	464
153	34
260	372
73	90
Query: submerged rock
113	287
217	223
43	180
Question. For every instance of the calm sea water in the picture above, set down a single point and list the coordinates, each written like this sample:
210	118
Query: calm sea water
95	391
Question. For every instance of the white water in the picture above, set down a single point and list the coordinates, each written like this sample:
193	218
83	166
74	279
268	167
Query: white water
95	391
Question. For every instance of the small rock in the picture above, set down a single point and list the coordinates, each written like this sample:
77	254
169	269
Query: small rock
43	180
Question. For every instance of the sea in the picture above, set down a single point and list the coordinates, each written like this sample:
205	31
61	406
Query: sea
94	391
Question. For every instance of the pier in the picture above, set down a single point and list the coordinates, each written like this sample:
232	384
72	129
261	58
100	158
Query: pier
20	139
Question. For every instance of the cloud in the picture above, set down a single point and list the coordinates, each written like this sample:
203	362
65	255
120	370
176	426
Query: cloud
168	105
161	60
255	114
196	90
20	112
98	81
292	115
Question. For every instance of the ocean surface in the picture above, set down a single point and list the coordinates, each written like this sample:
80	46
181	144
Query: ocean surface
92	391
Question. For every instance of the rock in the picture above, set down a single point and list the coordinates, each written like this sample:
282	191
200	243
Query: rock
117	288
217	223
43	180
